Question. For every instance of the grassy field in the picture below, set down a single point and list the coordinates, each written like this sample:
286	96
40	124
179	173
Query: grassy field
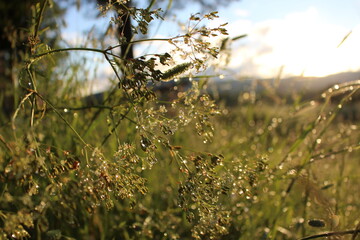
177	166
292	168
270	171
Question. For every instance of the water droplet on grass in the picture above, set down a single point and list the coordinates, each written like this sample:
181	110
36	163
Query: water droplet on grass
316	223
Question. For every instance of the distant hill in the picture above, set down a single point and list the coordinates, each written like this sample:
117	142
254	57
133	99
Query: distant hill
315	85
229	90
306	87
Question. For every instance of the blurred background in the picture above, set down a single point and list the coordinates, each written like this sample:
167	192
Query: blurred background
304	39
307	43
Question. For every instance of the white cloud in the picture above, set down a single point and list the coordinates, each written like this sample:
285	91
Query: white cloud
241	13
301	42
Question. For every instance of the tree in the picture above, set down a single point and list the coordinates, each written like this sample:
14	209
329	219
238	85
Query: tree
207	5
13	22
16	17
124	26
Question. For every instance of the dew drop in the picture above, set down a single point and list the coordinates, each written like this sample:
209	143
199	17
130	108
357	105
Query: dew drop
144	143
316	223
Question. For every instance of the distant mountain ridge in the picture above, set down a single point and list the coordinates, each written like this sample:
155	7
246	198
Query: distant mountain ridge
229	90
307	87
318	84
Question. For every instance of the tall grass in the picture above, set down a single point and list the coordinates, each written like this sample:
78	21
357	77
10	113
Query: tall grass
135	167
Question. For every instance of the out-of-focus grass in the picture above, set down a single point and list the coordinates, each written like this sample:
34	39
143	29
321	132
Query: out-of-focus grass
291	169
289	164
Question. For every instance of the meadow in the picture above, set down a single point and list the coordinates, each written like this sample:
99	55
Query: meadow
138	164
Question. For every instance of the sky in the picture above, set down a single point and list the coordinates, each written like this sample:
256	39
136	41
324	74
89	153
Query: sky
299	37
296	38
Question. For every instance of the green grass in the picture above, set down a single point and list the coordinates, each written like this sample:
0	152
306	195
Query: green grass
133	167
282	167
